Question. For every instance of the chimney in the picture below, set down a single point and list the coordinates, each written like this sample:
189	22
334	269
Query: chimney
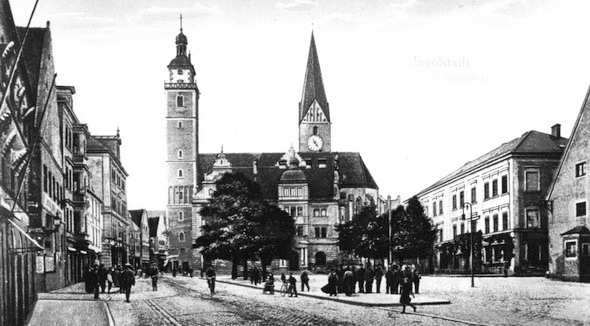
556	130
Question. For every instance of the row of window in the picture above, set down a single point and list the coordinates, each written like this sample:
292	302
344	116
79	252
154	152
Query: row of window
439	210
118	179
118	206
322	163
292	192
51	186
319	232
180	195
298	211
571	249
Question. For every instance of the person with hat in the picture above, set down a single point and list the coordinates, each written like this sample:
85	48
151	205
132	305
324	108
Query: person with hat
154	273
127	279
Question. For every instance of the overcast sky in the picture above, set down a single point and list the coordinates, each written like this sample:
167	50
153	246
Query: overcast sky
418	88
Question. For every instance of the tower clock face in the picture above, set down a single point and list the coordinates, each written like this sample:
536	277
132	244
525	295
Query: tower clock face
315	143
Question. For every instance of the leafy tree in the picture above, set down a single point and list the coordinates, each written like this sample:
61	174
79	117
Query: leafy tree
240	225
463	242
365	235
413	234
276	235
231	220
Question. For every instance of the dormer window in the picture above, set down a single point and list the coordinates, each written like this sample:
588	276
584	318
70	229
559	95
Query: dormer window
180	99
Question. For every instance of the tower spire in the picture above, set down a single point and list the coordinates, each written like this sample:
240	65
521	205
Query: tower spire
181	23
313	84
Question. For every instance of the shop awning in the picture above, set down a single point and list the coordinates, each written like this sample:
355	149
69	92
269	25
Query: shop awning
38	247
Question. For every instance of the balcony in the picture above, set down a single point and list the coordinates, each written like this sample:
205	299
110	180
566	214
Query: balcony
180	85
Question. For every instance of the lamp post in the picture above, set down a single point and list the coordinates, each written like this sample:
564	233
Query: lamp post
471	236
389	253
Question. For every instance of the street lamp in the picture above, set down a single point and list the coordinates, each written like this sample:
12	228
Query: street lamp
471	236
389	253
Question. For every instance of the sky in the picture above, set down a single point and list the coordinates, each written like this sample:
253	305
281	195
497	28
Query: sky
419	88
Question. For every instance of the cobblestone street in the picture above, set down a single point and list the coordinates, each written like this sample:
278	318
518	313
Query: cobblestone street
494	301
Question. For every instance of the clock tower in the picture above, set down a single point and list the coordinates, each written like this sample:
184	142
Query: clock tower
182	137
314	112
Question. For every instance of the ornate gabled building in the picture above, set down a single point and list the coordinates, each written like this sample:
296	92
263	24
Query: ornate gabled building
318	187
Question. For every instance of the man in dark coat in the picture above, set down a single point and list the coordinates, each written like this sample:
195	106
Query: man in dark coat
94	281
389	281
340	274
348	282
360	276
354	271
127	279
378	276
333	282
154	274
102	277
304	281
397	278
89	287
211	276
292	285
416	277
369	279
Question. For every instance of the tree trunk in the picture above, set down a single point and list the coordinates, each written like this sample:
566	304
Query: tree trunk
234	267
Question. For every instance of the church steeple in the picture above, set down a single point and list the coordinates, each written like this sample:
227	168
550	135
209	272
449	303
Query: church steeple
181	41
313	85
314	110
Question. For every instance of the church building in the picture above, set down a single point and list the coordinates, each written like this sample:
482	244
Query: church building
319	187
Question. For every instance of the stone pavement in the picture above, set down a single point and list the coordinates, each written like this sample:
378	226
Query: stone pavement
361	299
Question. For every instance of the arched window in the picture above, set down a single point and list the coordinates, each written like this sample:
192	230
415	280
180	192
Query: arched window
180	101
180	173
180	216
179	126
320	258
181	237
315	130
180	153
359	204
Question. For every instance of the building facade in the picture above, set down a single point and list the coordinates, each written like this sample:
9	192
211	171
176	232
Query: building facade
140	239
568	198
318	187
109	183
159	230
502	195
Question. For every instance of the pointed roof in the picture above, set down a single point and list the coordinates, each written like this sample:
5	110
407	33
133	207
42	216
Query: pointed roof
313	85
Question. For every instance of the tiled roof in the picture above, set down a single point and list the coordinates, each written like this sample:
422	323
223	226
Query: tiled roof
580	229
531	142
32	53
153	225
136	215
313	85
352	170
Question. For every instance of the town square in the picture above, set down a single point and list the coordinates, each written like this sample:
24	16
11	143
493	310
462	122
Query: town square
294	162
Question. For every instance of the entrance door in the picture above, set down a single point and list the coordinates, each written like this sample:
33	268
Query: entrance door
294	261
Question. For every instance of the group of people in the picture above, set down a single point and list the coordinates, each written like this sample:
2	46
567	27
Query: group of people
98	278
345	280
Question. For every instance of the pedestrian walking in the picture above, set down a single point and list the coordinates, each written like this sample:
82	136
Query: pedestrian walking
360	276
94	281
283	278
154	273
256	275
86	277
378	274
191	271
333	282
506	267
348	282
110	279
211	275
416	280
292	285
127	280
369	276
406	292
304	281
102	277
